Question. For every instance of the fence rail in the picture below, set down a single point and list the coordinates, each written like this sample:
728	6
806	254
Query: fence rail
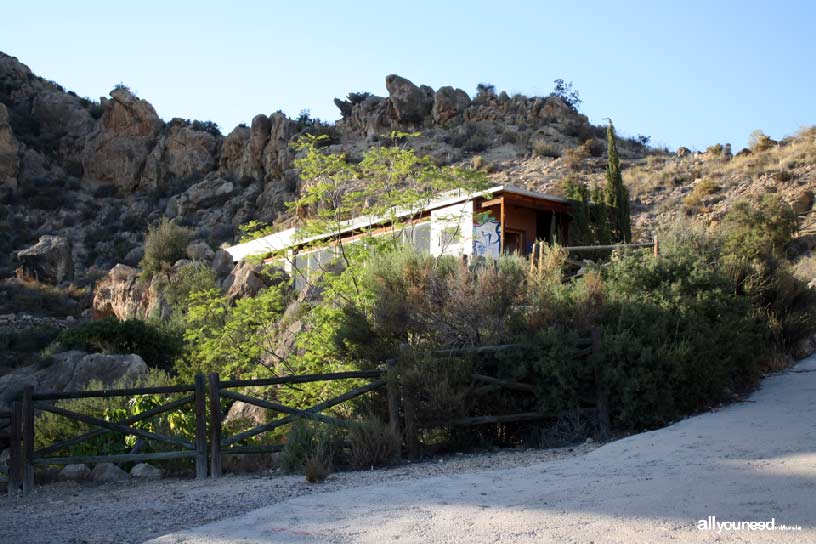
209	443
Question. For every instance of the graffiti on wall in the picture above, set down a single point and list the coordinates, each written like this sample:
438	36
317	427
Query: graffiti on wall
486	236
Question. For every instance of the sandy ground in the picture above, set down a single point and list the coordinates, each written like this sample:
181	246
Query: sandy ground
751	461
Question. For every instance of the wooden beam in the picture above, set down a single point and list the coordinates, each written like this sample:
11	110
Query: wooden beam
304	378
501	228
482	420
516	386
117	458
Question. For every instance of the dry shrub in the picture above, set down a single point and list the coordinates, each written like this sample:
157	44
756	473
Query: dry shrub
373	444
316	468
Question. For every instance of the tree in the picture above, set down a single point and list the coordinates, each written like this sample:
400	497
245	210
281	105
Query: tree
616	195
567	93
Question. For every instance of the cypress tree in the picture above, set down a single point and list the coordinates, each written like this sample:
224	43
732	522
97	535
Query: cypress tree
616	197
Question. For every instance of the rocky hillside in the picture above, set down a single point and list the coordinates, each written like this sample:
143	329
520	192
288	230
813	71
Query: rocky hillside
96	174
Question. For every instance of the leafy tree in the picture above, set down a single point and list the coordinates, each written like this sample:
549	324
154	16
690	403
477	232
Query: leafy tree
616	195
567	93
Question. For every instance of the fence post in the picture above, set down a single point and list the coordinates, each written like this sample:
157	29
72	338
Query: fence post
14	448
215	426
28	439
201	426
656	247
392	389
601	390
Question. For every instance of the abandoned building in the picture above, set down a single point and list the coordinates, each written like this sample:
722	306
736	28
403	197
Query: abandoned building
499	220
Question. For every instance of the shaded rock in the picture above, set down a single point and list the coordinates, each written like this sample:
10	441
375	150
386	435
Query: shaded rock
71	371
259	133
182	153
144	471
805	347
448	103
222	263
48	261
234	150
248	414
803	202
9	160
108	472
199	251
74	473
246	279
411	103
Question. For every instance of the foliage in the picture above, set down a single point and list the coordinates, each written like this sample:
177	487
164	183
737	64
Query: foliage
590	216
567	93
164	244
155	342
51	428
232	339
310	446
616	195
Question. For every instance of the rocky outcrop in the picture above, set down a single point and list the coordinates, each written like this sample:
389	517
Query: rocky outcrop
411	103
48	261
9	161
247	278
124	295
449	103
182	152
71	371
118	149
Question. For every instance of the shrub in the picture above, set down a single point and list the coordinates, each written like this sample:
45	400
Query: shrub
372	444
164	244
758	141
545	149
311	446
157	344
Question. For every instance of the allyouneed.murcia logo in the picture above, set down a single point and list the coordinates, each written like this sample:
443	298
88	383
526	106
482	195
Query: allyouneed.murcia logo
712	524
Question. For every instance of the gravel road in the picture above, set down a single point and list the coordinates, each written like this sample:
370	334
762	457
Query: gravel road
748	462
132	512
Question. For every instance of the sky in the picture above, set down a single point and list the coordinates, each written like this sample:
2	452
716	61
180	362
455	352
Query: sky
684	73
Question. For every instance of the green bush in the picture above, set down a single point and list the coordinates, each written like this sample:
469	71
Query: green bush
157	344
310	445
164	244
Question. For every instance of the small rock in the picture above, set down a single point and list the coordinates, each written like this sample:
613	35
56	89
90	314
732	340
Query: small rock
143	471
108	472
74	473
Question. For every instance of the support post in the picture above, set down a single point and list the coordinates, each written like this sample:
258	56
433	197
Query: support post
656	247
28	439
215	426
14	448
200	426
601	389
392	389
411	432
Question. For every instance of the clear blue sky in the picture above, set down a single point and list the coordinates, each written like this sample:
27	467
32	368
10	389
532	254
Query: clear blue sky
685	73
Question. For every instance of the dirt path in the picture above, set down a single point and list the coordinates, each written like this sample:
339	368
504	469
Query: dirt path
751	461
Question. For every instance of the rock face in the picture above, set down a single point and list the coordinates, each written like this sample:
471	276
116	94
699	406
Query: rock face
108	472
9	161
48	261
71	371
449	103
124	295
117	151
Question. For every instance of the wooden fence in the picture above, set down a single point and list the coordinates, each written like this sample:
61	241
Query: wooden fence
210	439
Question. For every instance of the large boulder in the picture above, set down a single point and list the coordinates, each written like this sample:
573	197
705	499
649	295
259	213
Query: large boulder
411	103
117	151
125	295
71	371
182	153
234	151
47	261
448	103
9	161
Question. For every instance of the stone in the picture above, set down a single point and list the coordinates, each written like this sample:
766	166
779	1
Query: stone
108	472
411	103
247	279
124	295
242	412
803	202
209	192
222	263
805	347
74	473
448	103
48	261
144	471
199	251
